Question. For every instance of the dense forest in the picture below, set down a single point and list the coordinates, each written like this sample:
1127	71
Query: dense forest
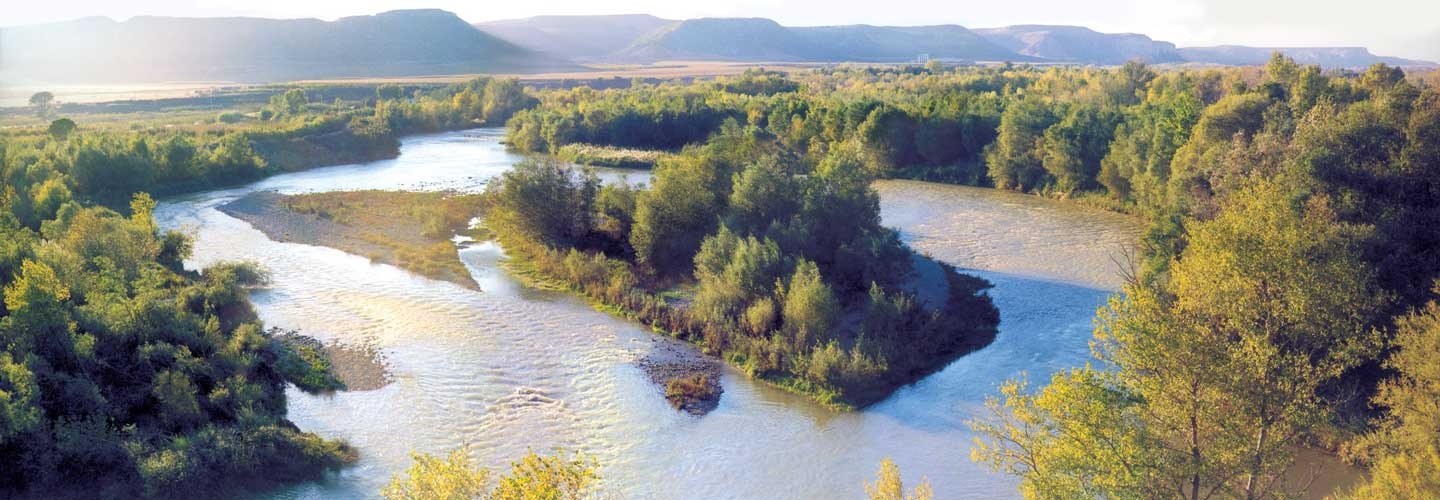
1282	293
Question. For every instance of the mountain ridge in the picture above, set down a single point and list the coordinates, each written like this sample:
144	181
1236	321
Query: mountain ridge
762	39
248	49
425	42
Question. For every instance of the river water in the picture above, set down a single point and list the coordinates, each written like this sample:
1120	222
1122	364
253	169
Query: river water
509	369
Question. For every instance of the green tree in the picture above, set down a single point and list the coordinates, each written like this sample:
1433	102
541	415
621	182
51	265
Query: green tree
1015	159
544	200
389	92
61	129
673	217
557	477
20	411
43	102
764	192
1074	147
289	102
810	306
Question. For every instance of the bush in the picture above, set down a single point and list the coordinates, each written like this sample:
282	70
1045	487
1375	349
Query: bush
687	391
230	117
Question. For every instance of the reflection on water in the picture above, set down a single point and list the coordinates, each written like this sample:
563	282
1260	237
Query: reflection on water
507	369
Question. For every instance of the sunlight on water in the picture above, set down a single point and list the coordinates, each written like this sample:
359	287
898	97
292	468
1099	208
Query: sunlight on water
508	369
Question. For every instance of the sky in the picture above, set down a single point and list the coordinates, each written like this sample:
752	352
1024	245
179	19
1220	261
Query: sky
1404	28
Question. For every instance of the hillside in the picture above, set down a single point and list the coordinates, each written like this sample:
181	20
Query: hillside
765	40
1330	57
578	38
749	39
152	49
901	43
1080	44
643	38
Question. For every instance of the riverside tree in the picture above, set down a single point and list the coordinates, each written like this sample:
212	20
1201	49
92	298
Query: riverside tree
1215	374
1403	450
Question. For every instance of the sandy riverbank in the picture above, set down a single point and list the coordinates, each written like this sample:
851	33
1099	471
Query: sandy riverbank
372	224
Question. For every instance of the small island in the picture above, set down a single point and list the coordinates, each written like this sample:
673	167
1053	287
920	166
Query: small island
780	268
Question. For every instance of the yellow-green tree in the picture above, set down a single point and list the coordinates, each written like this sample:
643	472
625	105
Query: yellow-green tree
1404	449
456	477
1212	376
888	486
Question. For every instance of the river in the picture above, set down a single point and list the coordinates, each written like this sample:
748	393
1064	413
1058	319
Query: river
509	369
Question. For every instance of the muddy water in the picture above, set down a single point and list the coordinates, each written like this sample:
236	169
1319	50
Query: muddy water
508	369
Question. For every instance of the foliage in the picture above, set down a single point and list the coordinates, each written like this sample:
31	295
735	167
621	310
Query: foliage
689	390
433	478
42	102
1214	377
60	129
887	485
779	259
533	477
106	165
1404	447
122	376
303	362
543	200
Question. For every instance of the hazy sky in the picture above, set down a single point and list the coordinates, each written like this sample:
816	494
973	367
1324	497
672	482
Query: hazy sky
1407	28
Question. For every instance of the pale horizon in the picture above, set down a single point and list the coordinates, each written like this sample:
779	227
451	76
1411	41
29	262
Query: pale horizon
1187	23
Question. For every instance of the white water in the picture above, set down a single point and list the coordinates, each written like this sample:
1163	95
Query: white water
509	369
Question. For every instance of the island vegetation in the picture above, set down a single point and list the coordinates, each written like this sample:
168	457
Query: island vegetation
781	269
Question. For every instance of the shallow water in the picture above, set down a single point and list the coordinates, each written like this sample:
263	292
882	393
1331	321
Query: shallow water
509	369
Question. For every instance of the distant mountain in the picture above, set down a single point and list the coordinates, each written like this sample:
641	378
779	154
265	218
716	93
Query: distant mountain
578	38
435	42
902	43
746	39
756	39
151	49
641	38
1330	57
1080	44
